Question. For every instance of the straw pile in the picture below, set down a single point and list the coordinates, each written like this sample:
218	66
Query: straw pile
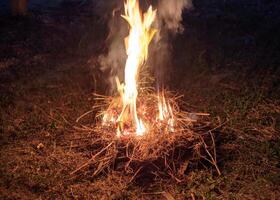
160	153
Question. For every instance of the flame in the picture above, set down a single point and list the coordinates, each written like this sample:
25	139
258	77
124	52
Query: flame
165	112
136	44
123	110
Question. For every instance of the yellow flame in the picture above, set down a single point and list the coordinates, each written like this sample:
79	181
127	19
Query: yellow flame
136	44
165	112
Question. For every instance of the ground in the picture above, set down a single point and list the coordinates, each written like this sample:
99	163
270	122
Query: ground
226	63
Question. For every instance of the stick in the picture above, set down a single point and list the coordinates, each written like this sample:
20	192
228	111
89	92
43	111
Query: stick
201	114
213	158
135	175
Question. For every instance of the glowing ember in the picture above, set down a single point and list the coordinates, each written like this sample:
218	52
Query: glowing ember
137	43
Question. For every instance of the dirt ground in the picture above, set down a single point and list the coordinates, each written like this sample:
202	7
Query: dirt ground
226	63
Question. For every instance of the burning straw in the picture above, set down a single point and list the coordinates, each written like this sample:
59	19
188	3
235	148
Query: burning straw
161	152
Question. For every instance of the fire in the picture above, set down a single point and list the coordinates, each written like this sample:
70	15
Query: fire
165	112
137	43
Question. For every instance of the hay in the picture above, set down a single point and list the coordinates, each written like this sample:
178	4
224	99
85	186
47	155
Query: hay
160	153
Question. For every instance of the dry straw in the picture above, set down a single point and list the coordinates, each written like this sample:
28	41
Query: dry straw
160	153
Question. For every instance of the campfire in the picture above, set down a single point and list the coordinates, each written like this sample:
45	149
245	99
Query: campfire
136	111
142	127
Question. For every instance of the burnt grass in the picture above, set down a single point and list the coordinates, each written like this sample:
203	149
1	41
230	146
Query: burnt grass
226	63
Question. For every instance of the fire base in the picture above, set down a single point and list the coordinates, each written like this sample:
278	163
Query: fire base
160	153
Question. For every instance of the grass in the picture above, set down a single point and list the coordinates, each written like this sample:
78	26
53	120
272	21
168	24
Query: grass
43	93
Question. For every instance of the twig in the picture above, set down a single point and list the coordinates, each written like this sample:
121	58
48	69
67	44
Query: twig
193	196
221	125
213	157
200	114
137	172
83	115
92	158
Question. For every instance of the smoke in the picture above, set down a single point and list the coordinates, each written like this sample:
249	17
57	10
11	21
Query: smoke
168	22
112	63
170	14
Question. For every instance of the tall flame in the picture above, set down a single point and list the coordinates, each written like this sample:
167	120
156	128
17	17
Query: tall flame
136	44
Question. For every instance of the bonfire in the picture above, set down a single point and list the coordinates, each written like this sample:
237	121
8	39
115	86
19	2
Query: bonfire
142	129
